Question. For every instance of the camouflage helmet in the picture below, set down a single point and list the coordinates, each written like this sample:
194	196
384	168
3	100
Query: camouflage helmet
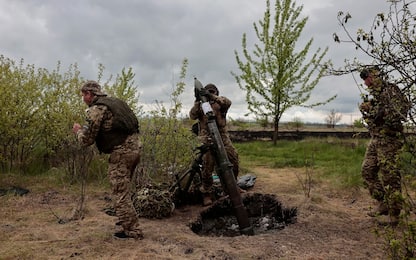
364	74
212	89
93	87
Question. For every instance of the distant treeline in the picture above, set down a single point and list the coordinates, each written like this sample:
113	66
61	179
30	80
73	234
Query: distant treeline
247	135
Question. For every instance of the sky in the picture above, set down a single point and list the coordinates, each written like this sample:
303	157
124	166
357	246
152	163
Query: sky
154	37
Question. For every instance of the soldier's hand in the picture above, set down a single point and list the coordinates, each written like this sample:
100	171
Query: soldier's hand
76	127
204	92
365	106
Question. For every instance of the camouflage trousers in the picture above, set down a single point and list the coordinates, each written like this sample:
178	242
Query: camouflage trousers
208	164
381	172
122	164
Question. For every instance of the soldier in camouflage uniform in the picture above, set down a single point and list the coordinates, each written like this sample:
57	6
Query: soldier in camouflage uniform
114	128
384	114
220	106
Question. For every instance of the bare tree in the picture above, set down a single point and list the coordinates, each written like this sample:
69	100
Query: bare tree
390	43
333	118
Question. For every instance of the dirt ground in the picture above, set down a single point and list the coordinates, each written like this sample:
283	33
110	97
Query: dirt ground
331	224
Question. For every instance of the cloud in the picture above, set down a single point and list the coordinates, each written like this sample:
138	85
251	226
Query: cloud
153	37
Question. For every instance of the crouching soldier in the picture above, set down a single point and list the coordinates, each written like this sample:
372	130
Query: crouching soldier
114	128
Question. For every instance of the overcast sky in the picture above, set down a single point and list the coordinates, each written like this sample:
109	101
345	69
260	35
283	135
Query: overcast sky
153	37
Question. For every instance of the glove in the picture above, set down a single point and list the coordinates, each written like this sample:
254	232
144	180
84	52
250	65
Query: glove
204	92
196	93
365	106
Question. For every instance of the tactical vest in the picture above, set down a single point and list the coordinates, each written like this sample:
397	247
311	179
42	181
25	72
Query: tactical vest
124	123
389	109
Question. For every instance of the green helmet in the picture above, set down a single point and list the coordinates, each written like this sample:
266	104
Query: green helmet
211	88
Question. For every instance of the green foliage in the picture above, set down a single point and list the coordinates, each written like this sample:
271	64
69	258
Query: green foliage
37	111
124	88
359	123
39	108
400	242
276	76
167	140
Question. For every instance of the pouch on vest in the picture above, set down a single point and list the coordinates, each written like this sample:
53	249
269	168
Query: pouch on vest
195	128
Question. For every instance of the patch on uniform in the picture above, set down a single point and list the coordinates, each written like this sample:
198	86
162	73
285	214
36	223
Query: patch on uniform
152	202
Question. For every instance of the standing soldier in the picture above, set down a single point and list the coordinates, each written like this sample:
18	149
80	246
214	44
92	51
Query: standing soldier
384	114
114	128
220	106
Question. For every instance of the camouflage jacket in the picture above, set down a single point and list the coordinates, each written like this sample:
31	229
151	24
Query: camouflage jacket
109	122
386	111
219	105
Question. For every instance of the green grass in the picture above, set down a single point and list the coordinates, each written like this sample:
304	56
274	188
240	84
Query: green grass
49	180
337	159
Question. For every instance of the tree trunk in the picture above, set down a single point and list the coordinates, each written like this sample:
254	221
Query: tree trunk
276	132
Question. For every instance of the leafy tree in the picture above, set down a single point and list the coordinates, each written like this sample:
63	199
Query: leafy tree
20	112
276	76
124	88
167	140
38	110
59	104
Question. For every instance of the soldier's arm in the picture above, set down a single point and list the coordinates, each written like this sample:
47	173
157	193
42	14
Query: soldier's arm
224	102
195	110
365	107
87	134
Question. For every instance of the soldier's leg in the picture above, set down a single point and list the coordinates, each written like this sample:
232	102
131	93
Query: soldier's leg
233	158
369	172
231	154
122	163
208	165
390	173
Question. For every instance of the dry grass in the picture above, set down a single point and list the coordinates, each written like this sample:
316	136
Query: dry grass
331	225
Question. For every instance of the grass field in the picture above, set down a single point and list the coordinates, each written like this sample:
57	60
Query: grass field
320	177
336	159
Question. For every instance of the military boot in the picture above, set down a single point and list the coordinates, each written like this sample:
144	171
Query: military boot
136	234
382	209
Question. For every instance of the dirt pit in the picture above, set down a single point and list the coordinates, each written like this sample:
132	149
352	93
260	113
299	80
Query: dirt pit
264	211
